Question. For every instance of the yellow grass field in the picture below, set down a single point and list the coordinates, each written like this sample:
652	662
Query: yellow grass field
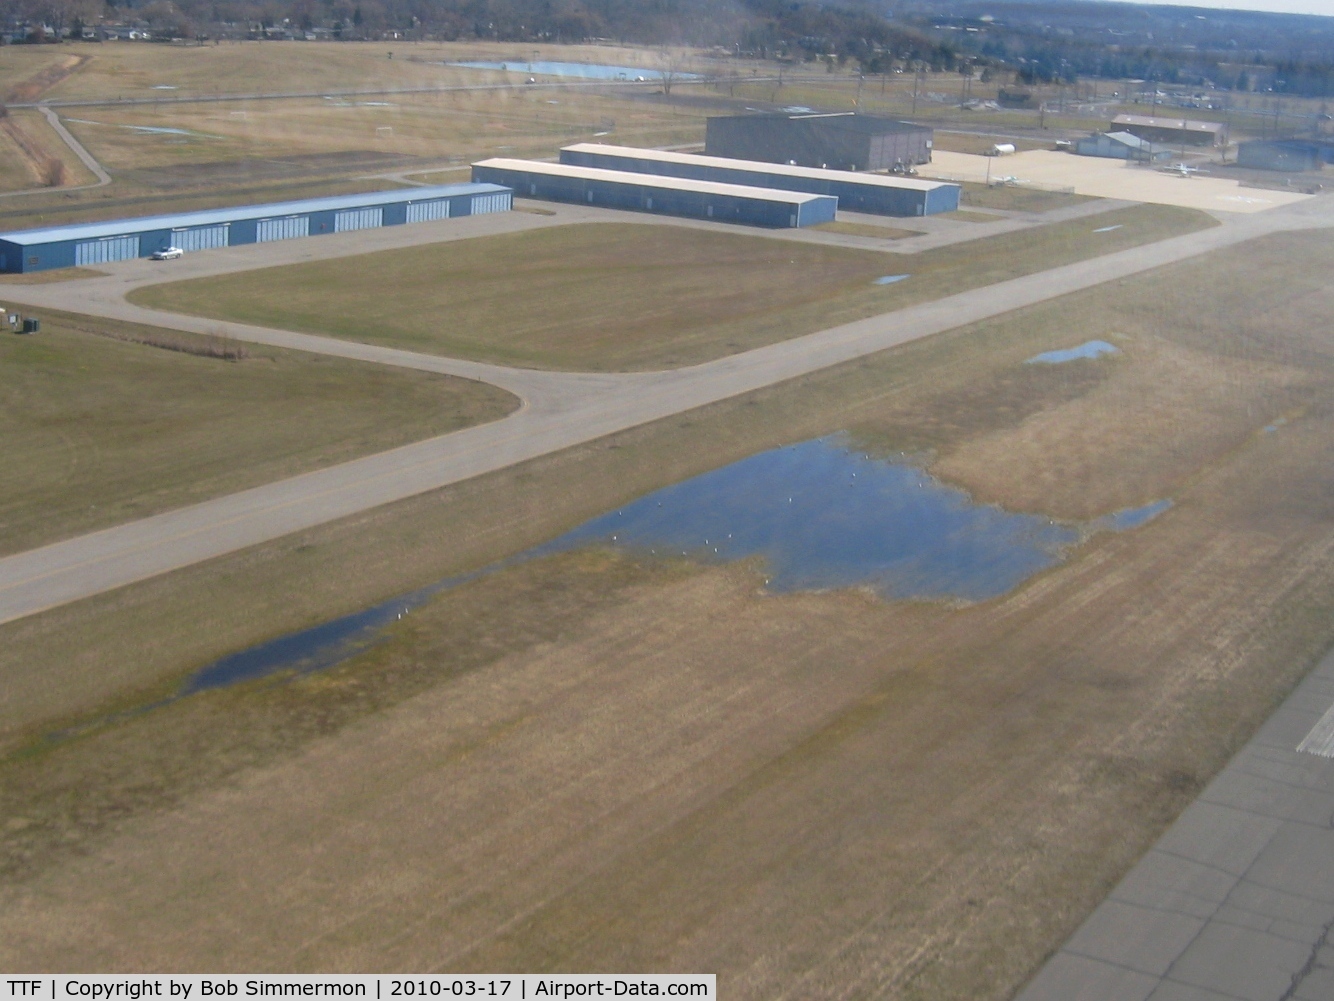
612	761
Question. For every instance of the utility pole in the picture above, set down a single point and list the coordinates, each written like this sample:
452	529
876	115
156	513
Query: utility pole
916	75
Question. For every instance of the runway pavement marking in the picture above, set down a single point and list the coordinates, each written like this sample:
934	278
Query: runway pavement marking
1321	738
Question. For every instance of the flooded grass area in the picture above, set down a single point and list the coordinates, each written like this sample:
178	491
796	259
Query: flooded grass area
818	516
722	775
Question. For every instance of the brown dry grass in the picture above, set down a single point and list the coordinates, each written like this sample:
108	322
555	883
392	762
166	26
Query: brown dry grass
1114	446
106	421
590	763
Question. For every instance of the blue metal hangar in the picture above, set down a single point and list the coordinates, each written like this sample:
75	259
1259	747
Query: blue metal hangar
123	239
617	189
874	193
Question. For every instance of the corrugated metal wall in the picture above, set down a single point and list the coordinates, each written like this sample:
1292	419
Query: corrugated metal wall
286	228
106	250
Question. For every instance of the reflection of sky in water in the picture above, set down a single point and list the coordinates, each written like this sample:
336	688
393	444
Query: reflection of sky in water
1089	349
819	514
824	516
587	71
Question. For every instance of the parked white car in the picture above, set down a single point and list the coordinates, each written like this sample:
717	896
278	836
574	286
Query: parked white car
169	254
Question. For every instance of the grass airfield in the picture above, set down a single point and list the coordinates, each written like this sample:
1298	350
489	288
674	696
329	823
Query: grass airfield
107	422
599	760
624	297
751	777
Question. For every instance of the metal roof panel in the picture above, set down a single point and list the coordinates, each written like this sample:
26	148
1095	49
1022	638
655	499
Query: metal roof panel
650	180
782	169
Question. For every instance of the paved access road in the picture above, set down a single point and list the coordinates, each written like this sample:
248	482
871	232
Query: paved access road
560	409
1237	899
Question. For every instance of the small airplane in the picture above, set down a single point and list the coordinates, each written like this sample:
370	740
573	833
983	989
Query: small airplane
1182	170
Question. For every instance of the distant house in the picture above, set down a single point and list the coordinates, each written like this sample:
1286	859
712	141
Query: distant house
1120	146
1162	130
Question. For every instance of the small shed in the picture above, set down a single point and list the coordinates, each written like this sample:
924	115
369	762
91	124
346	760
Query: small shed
1119	146
1165	130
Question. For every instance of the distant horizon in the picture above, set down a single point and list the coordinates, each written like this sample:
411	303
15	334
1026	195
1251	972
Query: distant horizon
1320	8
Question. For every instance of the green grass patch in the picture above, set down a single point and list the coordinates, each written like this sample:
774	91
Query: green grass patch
104	422
867	229
1015	198
622	297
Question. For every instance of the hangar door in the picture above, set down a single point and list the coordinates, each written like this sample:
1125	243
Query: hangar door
351	219
200	237
428	211
482	204
106	250
286	228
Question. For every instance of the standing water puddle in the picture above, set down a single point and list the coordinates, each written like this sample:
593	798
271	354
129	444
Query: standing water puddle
1089	349
823	516
586	71
819	514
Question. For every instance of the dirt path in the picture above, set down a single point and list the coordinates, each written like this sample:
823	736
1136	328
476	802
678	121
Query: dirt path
40	82
36	159
561	410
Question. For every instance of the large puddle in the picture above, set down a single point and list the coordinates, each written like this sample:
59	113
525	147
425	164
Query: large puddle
823	515
820	515
586	71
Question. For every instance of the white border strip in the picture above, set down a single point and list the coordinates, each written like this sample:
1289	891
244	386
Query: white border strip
1321	738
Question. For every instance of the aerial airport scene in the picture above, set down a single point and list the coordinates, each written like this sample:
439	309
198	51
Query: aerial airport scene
834	499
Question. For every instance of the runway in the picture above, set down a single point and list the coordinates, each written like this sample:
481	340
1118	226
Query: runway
559	409
1237	898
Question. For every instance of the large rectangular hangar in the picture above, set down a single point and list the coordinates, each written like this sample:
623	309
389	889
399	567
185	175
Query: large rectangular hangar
843	140
619	189
873	193
90	244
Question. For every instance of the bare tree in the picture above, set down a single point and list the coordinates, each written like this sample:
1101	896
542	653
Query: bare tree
671	63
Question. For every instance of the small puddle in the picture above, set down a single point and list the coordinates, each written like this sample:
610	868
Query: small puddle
889	279
1089	349
1108	229
1131	517
820	514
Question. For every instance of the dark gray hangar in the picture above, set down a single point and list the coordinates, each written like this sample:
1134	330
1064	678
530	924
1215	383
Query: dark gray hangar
843	141
876	193
122	239
618	189
1285	154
